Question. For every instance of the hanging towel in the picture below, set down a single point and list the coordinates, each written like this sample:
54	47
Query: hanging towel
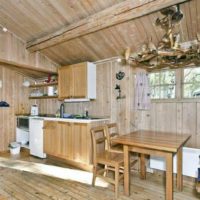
142	91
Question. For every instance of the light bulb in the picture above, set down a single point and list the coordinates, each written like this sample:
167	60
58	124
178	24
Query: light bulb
4	29
119	59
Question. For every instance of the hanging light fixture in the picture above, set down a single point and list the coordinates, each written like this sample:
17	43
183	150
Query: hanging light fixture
169	52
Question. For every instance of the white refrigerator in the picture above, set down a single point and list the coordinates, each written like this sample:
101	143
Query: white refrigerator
36	137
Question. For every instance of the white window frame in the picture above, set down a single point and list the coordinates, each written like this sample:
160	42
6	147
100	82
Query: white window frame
183	83
162	85
179	87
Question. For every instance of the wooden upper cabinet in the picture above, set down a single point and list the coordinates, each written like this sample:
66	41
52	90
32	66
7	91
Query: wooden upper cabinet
64	82
77	81
80	80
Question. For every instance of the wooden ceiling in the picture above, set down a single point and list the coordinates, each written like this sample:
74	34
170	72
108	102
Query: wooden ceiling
33	20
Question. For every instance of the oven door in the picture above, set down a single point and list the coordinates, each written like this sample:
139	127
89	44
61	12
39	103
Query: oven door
23	123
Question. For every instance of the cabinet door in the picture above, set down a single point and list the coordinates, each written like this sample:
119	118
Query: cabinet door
81	143
65	82
75	141
51	138
79	80
65	132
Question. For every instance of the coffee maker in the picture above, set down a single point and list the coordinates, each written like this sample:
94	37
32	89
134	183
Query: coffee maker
34	110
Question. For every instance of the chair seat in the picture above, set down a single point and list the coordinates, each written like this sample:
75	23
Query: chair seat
110	158
116	148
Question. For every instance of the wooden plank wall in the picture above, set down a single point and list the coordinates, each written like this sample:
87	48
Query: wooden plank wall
12	91
106	104
16	95
176	117
14	49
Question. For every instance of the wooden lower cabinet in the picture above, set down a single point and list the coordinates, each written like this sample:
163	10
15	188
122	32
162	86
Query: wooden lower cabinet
51	145
69	141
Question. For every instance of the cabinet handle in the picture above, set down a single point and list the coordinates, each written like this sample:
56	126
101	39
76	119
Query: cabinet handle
49	127
63	122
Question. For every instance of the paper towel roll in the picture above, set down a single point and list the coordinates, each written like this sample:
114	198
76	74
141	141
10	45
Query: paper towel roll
50	91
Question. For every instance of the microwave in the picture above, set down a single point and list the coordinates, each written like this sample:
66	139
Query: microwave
23	122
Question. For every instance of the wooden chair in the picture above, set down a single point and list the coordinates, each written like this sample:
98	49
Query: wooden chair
112	132
111	160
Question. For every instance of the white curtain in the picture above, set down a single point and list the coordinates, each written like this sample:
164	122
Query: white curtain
142	91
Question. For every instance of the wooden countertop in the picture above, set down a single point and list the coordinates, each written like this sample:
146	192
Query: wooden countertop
67	119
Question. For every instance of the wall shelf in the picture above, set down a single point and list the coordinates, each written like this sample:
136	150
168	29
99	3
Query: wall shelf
44	97
43	84
43	87
29	70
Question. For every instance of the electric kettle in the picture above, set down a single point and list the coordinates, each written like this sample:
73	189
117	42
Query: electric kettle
34	110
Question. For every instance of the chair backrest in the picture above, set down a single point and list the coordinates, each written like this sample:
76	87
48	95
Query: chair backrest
99	140
111	132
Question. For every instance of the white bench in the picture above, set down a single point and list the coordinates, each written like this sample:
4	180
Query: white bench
190	162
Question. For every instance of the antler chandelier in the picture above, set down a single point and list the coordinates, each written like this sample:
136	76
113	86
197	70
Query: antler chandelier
169	53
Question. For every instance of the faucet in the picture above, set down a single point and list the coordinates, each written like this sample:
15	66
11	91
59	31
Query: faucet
86	114
62	108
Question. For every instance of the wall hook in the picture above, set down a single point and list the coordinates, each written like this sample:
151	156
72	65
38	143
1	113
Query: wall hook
117	87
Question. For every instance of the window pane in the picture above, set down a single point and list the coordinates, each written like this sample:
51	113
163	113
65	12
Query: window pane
154	78
167	92
191	90
155	92
192	75
162	84
167	77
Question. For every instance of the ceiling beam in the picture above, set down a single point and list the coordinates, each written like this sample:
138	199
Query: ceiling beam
119	13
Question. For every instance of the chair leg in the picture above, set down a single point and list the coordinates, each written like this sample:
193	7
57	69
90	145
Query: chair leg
116	181
106	170
94	175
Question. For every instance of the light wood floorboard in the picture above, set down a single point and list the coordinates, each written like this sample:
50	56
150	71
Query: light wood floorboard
23	185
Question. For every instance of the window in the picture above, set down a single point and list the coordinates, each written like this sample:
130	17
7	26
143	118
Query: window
162	84
191	82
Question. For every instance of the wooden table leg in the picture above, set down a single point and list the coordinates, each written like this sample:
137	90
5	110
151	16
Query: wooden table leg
169	176
126	171
142	166
179	170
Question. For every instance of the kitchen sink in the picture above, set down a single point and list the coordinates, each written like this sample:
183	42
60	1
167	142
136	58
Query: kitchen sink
71	116
82	117
47	115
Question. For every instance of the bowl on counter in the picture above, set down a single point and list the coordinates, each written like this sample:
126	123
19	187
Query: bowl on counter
67	115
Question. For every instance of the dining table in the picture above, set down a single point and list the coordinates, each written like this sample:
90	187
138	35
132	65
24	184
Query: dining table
161	144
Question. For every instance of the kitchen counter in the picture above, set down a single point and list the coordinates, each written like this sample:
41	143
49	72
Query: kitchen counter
95	119
70	139
71	120
64	138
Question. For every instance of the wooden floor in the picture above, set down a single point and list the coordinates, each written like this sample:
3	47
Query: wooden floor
24	185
